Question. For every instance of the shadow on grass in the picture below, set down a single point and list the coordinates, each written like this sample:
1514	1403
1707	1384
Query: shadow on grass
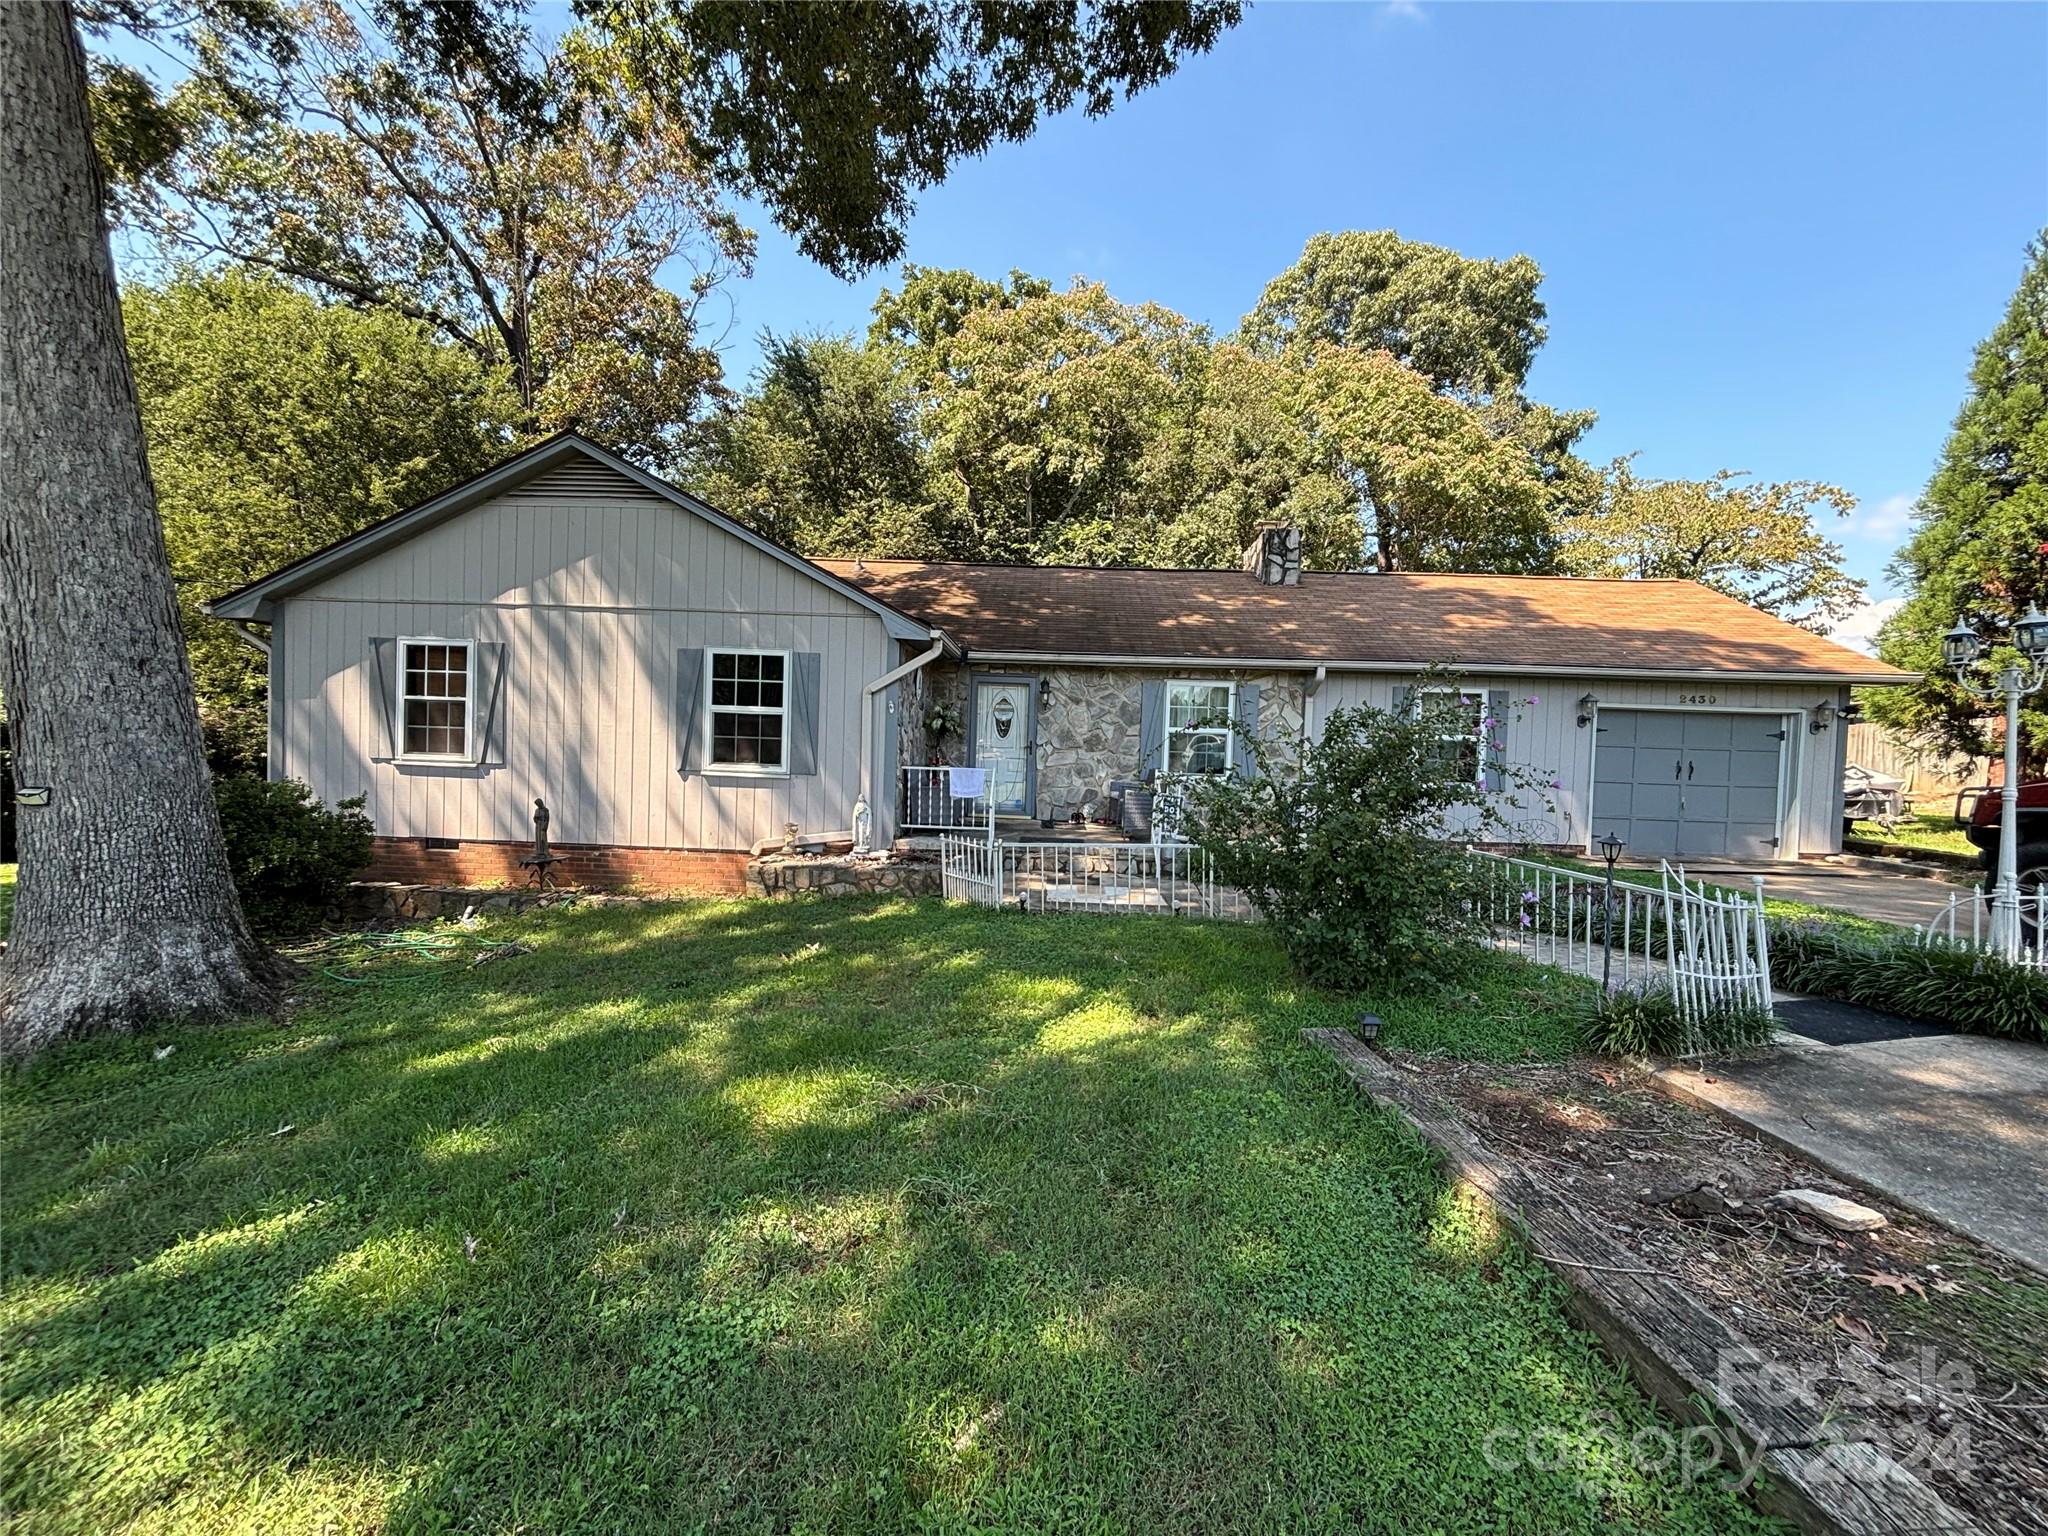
849	1216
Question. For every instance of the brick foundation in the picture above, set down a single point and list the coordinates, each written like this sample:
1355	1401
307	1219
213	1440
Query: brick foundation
694	871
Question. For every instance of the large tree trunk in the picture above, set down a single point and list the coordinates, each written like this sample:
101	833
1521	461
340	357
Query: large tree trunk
125	915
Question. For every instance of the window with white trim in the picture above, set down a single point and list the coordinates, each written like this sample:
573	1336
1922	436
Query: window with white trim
1462	714
749	710
1198	726
435	687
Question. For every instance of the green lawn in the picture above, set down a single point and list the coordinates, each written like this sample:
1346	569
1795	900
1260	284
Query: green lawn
1937	830
818	1217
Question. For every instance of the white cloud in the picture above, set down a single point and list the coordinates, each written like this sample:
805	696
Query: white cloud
1859	630
1403	10
1887	522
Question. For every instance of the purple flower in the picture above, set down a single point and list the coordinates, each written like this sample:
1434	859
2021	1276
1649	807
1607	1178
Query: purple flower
1534	700
1528	921
1528	897
1557	783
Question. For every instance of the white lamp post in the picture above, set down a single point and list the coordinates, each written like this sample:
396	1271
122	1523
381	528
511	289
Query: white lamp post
1960	648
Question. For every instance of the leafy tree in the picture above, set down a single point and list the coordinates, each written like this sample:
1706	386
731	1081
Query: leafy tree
919	321
1046	429
1433	488
1979	550
125	913
1757	542
276	425
537	236
1465	323
822	453
836	116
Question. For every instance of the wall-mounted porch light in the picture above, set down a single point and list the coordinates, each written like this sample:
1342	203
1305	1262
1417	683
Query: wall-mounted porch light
1823	716
1588	702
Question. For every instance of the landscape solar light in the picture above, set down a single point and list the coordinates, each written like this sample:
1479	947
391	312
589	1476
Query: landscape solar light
1368	1027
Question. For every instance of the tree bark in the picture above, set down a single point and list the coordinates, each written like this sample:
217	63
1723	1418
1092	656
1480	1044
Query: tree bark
125	915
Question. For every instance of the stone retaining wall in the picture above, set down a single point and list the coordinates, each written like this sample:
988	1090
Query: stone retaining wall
780	876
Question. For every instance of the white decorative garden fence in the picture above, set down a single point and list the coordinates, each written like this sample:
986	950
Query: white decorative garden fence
1966	923
1709	949
1165	878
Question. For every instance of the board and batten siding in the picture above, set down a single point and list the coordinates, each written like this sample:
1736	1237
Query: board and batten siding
1546	738
593	585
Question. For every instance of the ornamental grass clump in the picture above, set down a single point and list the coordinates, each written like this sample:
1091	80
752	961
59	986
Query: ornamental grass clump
1353	847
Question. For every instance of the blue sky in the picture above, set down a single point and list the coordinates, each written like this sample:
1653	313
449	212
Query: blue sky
1771	234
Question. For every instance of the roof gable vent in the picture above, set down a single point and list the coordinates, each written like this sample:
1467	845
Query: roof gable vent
581	479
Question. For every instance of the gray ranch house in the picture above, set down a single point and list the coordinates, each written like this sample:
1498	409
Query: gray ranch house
681	691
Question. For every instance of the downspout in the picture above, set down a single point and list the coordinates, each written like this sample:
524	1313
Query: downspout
250	638
1315	686
863	812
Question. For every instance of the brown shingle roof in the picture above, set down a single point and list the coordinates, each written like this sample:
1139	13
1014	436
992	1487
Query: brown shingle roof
1483	622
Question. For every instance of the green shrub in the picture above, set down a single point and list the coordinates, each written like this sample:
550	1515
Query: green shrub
1646	1022
290	855
1938	982
1343	846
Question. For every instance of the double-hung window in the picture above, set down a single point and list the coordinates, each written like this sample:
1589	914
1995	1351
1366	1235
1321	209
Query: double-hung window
1461	718
1198	726
748	718
435	689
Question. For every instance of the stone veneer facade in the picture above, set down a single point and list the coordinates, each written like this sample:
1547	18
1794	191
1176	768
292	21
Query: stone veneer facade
1088	724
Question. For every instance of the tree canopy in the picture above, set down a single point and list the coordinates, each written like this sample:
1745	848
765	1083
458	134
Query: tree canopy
276	425
1979	549
1756	542
1464	323
837	116
542	236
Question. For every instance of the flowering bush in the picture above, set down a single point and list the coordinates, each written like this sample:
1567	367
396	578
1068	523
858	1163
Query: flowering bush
1353	848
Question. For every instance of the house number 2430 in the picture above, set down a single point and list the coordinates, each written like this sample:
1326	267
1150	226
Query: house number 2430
1699	698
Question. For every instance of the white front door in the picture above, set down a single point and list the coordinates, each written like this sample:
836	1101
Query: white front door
1002	742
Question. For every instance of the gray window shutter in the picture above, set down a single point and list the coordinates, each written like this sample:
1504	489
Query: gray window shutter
490	692
1151	728
690	709
806	667
1243	763
384	690
1495	742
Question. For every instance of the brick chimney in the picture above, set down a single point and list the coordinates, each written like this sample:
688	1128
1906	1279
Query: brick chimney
1274	554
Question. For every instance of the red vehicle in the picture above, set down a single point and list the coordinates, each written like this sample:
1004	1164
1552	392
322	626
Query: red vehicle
2033	829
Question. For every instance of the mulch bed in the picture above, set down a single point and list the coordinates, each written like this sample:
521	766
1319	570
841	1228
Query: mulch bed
1935	1339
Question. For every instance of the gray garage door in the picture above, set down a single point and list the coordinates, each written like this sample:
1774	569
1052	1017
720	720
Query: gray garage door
1679	784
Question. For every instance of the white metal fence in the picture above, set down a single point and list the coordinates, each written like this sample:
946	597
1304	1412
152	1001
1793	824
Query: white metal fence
1165	878
1709	949
1966	923
929	804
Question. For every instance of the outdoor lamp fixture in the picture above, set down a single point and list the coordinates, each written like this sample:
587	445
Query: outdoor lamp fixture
1823	716
1610	850
1588	702
1044	692
1368	1027
1960	649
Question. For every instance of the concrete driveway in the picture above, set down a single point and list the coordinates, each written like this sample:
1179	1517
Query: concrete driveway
1952	1126
1880	894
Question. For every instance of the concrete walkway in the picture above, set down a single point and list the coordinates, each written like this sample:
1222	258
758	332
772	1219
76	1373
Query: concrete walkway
1952	1126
